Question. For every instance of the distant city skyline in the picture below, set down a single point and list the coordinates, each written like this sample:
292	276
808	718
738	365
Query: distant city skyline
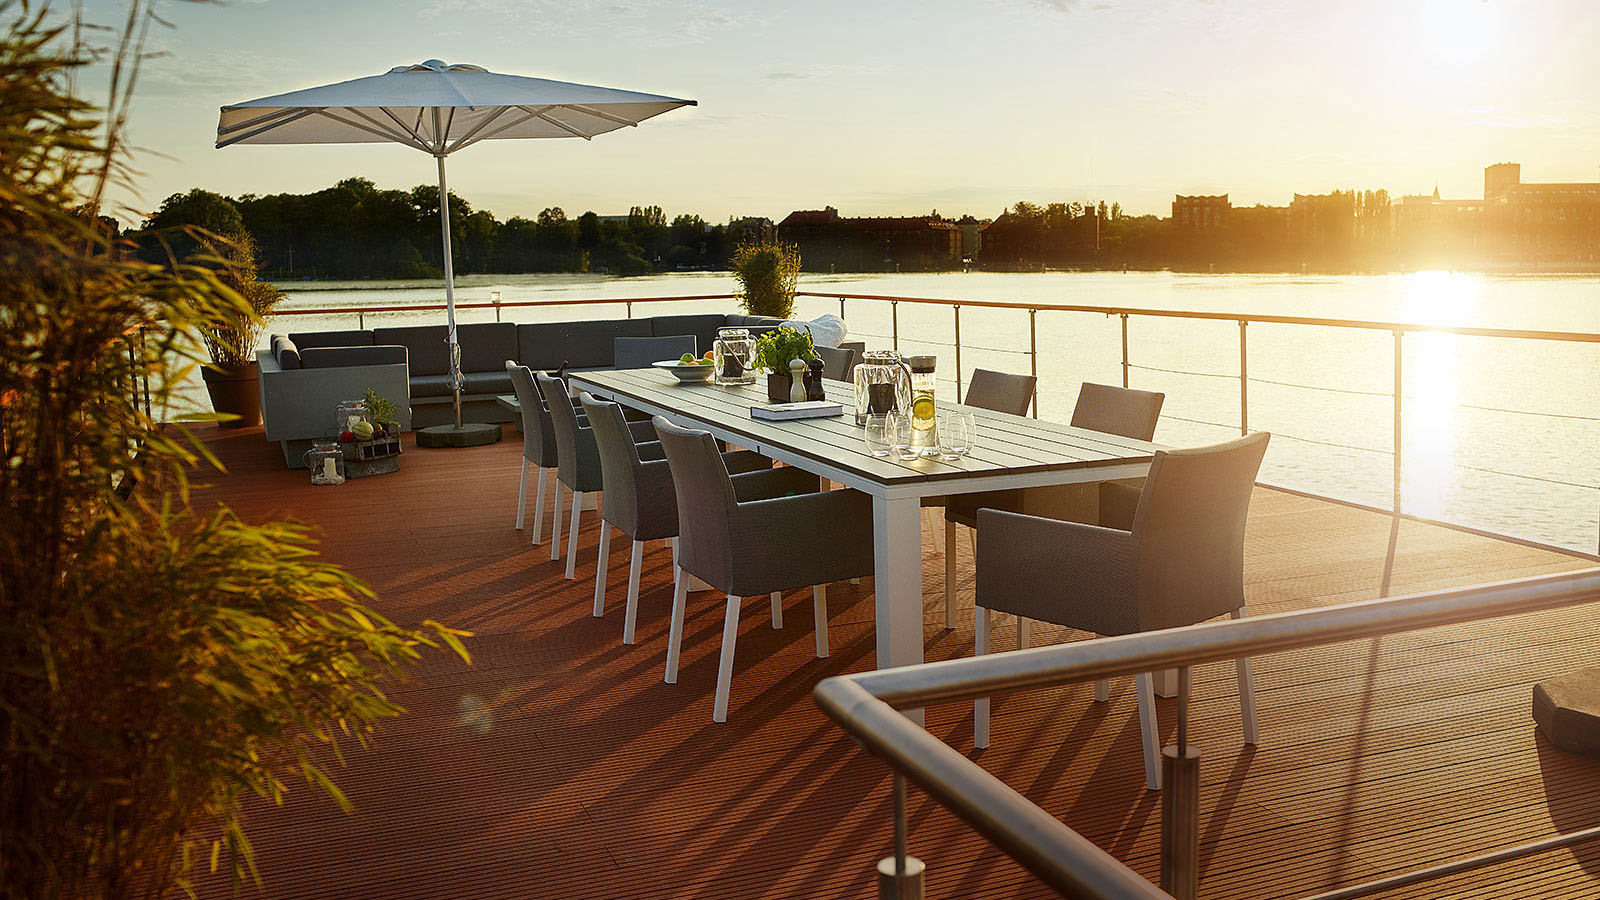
896	108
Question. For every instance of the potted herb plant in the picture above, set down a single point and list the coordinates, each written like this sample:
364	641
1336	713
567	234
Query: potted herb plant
775	350
233	376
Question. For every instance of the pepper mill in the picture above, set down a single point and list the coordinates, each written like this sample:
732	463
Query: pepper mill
814	388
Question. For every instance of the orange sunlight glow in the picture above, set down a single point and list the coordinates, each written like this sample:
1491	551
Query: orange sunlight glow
1431	386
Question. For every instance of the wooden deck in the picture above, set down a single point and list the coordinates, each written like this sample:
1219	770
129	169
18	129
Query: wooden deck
559	765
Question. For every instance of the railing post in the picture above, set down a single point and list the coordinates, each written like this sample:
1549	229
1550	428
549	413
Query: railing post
1244	383
1033	356
361	319
841	309
958	352
630	309
1399	432
894	323
1180	806
1124	349
900	875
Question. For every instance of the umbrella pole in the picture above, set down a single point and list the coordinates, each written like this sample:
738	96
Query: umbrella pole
449	288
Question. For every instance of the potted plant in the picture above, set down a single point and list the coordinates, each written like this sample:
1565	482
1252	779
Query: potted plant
775	350
233	376
767	275
382	413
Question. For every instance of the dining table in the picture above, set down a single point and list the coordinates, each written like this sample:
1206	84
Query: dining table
1008	452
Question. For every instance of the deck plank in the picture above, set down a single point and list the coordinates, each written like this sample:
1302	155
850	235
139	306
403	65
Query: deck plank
559	765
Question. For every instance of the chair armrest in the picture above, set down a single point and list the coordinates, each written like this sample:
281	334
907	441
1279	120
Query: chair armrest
1068	573
803	539
1118	501
642	431
764	484
650	451
740	461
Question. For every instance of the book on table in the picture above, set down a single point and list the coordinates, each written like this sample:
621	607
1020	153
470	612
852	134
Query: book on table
806	409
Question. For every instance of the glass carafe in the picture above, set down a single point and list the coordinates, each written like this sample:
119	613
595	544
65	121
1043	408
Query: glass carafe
924	421
732	356
881	367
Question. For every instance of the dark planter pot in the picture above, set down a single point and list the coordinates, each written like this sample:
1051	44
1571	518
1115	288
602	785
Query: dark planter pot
235	391
778	388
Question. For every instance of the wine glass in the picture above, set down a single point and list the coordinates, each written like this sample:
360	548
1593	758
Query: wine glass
901	428
952	437
967	430
879	434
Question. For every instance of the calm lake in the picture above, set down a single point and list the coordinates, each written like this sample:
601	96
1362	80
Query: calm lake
1498	433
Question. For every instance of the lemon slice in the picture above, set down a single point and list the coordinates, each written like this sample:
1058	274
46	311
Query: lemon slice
922	408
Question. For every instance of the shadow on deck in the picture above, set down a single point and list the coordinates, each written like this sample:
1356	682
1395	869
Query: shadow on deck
559	765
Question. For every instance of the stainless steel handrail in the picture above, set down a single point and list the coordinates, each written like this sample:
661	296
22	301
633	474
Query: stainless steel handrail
865	704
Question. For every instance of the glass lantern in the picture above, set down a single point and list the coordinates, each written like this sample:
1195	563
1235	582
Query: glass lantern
325	459
347	414
733	356
881	367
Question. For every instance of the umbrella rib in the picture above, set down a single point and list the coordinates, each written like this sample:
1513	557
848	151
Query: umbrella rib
386	135
444	136
257	120
420	143
264	129
561	125
466	138
600	114
383	128
531	114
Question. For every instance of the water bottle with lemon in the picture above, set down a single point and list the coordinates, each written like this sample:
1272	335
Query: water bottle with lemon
924	419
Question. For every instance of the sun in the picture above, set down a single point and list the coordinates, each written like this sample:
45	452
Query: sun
1458	31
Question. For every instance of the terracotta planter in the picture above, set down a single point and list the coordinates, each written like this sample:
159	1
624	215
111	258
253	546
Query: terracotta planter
778	388
235	391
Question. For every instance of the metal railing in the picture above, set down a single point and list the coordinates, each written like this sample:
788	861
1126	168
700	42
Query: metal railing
866	706
1399	331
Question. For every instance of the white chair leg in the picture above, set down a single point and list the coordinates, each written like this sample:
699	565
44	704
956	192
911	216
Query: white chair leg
730	634
572	535
600	570
680	591
1023	635
1102	689
819	615
631	616
1247	692
538	506
777	610
1150	735
555	524
949	575
522	493
980	706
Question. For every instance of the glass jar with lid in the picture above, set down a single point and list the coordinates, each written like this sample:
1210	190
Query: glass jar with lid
347	414
325	459
733	356
881	367
924	422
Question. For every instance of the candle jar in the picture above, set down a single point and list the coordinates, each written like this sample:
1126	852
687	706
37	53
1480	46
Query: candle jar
732	356
325	459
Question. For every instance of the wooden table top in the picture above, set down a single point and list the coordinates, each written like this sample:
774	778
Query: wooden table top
1005	444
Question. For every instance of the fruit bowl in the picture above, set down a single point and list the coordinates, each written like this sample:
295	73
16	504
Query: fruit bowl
687	374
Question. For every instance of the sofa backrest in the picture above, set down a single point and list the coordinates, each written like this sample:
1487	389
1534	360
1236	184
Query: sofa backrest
702	327
353	337
425	345
545	346
337	357
284	352
485	346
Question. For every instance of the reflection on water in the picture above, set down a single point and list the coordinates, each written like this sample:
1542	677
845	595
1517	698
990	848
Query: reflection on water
1431	388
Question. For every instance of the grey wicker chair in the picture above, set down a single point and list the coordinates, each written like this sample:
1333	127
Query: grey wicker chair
639	352
1104	408
837	362
641	501
578	460
748	548
538	444
1181	562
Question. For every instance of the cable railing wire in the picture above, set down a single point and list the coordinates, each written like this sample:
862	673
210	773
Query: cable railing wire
1233	377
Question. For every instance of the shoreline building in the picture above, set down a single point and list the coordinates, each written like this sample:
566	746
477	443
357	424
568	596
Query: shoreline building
828	241
1427	230
1539	222
1201	214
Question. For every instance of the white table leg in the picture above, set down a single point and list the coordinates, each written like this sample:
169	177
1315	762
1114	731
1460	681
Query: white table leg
897	583
1166	683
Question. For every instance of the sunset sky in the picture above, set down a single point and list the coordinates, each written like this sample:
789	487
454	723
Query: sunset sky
889	107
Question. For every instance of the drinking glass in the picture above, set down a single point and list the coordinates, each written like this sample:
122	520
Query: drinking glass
952	437
879	435
901	443
967	428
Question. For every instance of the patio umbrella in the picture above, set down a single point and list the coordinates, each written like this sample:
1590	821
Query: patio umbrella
438	108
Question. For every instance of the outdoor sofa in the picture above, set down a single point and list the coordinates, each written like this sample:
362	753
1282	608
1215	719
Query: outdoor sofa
305	375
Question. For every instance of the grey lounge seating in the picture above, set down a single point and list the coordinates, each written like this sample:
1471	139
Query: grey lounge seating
638	352
300	386
1104	408
1182	562
749	548
641	501
578	460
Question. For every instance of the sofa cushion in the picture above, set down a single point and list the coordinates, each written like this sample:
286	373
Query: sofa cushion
431	386
636	353
702	327
488	382
425	345
580	345
336	357
354	337
485	346
285	352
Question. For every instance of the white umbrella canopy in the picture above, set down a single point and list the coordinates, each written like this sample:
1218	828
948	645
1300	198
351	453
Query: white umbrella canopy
438	108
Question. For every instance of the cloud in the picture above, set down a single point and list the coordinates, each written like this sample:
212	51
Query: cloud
785	76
